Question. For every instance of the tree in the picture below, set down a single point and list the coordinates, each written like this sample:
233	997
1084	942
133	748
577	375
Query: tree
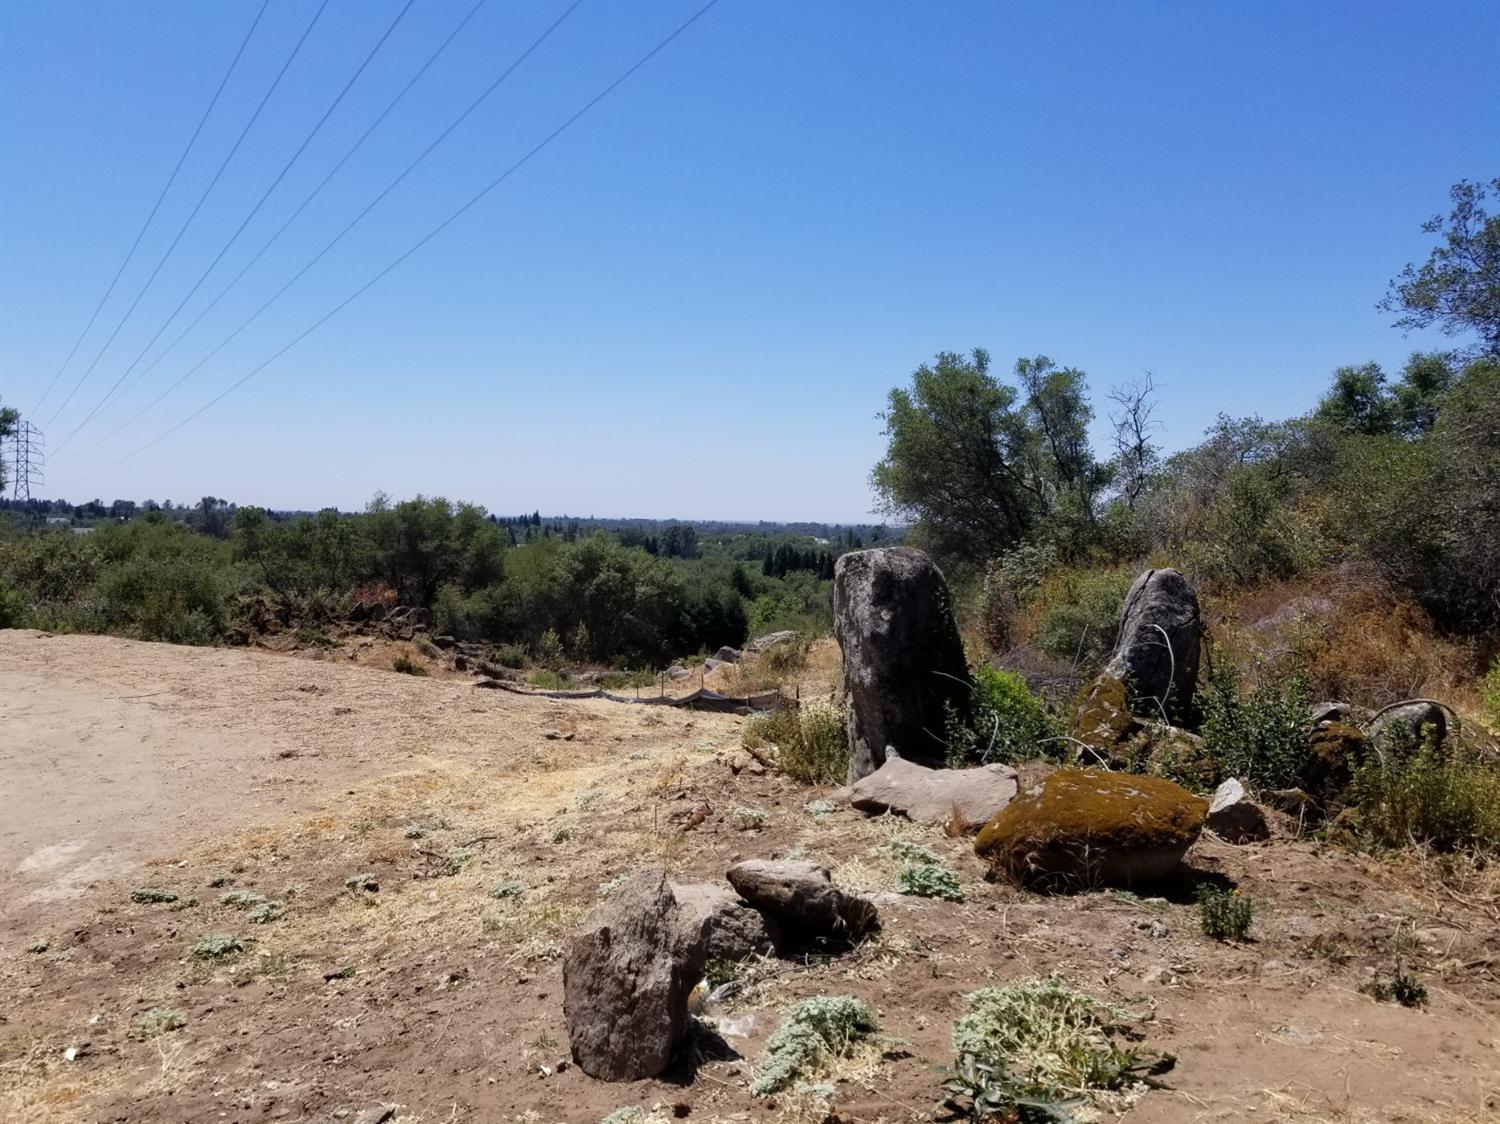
980	464
1458	286
9	416
1416	399
1358	401
1136	456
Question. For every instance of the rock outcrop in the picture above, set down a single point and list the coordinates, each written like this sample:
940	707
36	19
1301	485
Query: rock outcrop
734	930
1156	653
802	900
1085	827
967	797
903	659
1409	723
627	975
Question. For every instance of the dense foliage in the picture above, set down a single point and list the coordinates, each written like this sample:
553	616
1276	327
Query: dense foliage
553	591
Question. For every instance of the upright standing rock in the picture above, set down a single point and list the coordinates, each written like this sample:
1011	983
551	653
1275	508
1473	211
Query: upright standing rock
903	659
1156	654
627	975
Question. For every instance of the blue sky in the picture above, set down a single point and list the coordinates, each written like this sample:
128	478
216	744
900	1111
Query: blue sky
695	300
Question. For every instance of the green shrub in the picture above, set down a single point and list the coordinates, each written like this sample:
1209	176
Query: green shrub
510	655
1007	723
404	665
813	1032
1078	614
1448	800
1044	1041
1223	914
930	881
1489	692
12	605
1261	738
811	740
151	896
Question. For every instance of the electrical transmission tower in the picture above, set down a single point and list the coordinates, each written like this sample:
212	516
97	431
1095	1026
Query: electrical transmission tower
30	459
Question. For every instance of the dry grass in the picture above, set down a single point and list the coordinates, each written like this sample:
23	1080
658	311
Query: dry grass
1356	640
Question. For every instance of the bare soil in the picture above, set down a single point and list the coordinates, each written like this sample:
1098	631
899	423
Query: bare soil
202	771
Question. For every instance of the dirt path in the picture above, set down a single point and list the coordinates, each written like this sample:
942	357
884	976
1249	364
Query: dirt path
113	751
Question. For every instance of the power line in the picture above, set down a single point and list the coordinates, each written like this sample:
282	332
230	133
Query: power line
206	191
428	237
151	366
171	179
457	121
246	222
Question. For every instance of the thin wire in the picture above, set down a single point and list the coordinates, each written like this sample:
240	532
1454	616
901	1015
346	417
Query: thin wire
255	210
225	342
494	183
151	366
206	191
171	179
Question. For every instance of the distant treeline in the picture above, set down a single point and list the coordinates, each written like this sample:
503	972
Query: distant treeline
561	589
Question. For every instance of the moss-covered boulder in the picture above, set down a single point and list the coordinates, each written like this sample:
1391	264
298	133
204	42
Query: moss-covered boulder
1335	750
1087	827
1183	757
1102	717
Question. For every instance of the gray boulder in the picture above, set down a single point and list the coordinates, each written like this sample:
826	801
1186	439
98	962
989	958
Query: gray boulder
761	643
734	929
1156	653
1233	817
726	654
627	975
1407	721
903	659
802	900
972	797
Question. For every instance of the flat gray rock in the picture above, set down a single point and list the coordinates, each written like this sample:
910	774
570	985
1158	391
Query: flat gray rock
971	796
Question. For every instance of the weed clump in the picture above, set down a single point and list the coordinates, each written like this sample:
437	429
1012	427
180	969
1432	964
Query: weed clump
913	853
404	665
1448	800
216	947
157	1021
811	740
749	819
149	896
1224	914
1034	1047
1399	987
717	973
507	890
928	881
813	1032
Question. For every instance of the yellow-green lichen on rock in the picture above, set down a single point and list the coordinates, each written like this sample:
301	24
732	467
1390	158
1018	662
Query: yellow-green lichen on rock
1086	827
1335	750
1102	718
